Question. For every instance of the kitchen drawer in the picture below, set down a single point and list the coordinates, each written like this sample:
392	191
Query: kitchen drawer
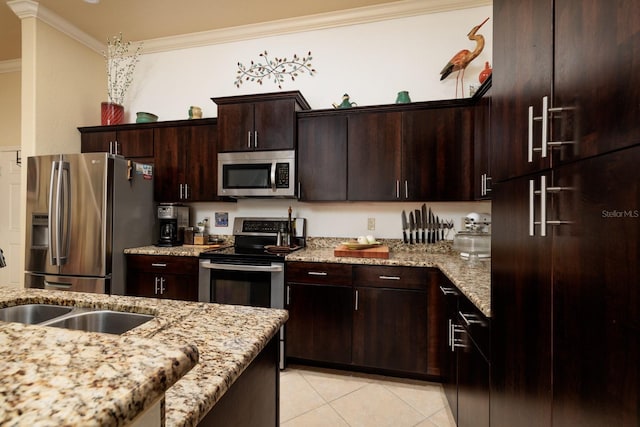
319	273
476	324
163	264
391	277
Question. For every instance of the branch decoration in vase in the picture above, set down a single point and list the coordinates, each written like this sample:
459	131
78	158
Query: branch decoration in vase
121	58
276	69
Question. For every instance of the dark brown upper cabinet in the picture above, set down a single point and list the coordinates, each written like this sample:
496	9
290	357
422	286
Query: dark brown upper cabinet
259	122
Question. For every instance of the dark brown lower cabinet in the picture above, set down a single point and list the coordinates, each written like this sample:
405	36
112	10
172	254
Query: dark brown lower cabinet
319	326
471	341
160	276
369	317
466	358
447	298
390	329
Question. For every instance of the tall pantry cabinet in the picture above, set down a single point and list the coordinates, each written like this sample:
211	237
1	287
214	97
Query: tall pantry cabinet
566	213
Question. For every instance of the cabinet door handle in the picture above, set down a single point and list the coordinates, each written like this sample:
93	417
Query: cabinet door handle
531	208
447	290
543	205
316	273
181	192
397	189
453	341
545	129
530	136
545	124
457	342
389	277
162	288
357	300
406	189
155	285
186	191
255	138
470	318
248	139
288	295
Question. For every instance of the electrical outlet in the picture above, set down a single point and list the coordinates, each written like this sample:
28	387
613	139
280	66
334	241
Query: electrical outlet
371	223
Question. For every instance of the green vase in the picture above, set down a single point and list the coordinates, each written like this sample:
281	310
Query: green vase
403	97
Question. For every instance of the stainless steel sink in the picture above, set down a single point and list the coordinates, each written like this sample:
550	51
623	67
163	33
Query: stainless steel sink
106	321
32	313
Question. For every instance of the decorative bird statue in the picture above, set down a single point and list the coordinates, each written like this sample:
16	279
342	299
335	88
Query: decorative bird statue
461	59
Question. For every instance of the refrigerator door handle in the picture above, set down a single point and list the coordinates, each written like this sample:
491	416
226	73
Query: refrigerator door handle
66	190
52	254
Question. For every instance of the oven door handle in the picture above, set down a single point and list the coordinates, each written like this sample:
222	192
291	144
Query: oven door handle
242	267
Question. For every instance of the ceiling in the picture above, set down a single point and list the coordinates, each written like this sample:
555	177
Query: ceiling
150	19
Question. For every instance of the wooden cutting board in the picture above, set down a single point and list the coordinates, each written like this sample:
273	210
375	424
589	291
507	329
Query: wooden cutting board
377	252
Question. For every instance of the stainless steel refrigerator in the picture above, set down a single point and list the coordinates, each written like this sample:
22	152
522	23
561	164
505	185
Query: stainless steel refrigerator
83	210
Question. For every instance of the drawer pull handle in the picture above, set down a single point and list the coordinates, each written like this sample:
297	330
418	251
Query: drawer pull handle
448	291
470	318
317	273
389	277
158	264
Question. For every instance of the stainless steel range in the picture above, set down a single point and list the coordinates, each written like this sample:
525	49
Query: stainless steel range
252	271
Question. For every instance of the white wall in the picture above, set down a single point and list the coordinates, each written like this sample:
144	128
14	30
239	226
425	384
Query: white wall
10	108
335	219
371	62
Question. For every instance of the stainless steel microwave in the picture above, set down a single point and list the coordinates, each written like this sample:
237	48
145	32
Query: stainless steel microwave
257	174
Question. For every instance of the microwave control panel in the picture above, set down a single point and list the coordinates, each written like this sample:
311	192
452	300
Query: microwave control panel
282	175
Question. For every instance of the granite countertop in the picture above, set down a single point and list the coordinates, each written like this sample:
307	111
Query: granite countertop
55	376
183	250
472	279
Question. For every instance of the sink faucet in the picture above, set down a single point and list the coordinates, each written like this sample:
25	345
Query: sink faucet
3	263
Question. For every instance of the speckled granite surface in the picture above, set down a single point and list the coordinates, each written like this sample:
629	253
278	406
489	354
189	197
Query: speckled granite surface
51	374
473	280
184	250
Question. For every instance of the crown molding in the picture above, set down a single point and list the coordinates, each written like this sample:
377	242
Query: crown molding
32	9
361	15
10	66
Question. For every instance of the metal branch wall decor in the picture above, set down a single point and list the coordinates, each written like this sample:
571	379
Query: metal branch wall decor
274	69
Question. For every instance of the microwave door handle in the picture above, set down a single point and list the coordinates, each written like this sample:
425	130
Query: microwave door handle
273	176
242	267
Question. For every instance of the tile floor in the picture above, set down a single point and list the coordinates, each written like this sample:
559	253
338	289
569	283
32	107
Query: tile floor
315	397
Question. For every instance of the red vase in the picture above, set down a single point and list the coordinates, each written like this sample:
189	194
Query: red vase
112	114
485	73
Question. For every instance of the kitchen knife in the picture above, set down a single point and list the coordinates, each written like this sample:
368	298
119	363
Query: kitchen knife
418	225
424	223
433	227
405	226
412	227
430	224
437	229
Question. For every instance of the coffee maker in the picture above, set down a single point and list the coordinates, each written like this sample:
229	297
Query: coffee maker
172	220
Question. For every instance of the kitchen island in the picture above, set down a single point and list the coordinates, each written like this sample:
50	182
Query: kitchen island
193	353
